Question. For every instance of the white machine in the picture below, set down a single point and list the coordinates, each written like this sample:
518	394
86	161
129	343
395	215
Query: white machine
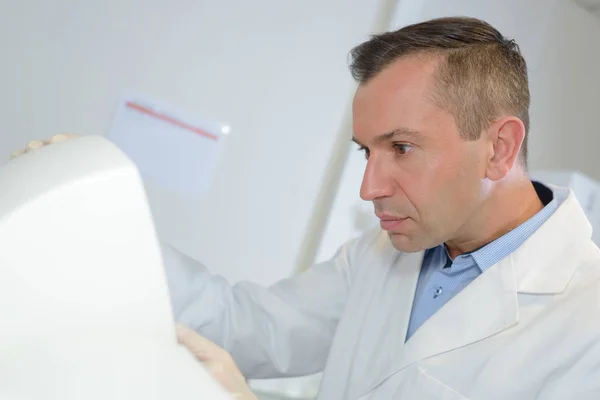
84	304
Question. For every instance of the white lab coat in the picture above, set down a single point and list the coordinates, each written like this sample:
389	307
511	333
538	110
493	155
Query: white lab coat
527	328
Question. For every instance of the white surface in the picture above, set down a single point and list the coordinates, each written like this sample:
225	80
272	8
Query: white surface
172	151
84	306
275	71
347	208
566	95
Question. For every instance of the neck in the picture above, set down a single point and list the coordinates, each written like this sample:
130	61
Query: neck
509	203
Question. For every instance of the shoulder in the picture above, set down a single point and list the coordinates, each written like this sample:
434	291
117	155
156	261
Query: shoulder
587	272
373	242
372	250
583	290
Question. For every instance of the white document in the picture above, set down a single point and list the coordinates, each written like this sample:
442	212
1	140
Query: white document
172	151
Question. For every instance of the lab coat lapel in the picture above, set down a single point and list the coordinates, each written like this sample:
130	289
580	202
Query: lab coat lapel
485	307
396	294
407	276
488	305
547	260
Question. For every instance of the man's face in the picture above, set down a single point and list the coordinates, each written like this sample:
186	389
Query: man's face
423	178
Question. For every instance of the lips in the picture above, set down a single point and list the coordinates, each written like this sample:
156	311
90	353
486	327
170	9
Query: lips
390	222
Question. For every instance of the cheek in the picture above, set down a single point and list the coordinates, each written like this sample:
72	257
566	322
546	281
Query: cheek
425	176
459	188
421	180
438	187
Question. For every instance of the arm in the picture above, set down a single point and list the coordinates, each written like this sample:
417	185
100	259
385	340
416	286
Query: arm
284	330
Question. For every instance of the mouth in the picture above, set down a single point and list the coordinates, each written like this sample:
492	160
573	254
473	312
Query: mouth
390	223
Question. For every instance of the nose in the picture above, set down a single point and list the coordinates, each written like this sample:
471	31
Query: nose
376	183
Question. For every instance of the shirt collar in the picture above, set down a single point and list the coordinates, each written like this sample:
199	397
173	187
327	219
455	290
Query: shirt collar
493	252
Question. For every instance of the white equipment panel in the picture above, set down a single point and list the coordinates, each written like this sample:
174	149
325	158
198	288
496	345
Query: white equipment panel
84	304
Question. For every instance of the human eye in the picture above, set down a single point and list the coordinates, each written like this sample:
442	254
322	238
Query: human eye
364	150
402	148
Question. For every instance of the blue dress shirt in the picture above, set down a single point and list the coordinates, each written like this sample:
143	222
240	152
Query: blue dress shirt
441	278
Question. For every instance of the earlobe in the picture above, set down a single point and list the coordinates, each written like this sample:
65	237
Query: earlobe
508	135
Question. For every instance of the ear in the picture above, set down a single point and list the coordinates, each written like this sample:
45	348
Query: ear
507	136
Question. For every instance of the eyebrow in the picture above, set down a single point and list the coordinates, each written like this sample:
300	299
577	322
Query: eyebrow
400	132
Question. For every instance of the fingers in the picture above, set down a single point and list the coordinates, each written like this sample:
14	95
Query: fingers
34	145
17	153
62	137
217	362
229	378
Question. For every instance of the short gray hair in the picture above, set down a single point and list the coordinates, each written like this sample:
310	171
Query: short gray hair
481	75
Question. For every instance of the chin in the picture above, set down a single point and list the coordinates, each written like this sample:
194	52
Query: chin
406	244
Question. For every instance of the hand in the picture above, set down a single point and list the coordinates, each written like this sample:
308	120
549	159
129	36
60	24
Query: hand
218	363
36	144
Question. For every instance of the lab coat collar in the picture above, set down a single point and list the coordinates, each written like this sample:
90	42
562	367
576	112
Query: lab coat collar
543	264
546	261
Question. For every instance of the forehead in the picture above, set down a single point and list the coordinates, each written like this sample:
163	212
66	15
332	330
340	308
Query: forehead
397	97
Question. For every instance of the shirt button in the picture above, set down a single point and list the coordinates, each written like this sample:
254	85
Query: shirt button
437	292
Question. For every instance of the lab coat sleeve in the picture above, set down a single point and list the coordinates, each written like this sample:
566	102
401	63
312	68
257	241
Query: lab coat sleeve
281	331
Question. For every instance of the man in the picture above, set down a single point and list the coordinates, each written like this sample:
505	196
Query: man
480	284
